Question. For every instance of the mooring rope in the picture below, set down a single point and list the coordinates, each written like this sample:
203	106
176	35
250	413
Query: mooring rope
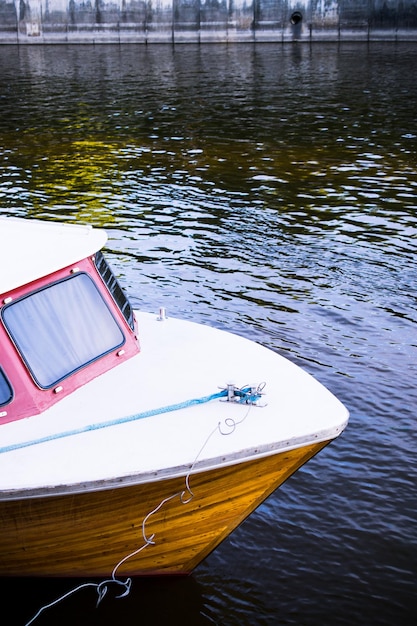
244	395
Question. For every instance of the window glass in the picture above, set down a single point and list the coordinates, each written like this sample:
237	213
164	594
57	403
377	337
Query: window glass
61	328
113	286
6	393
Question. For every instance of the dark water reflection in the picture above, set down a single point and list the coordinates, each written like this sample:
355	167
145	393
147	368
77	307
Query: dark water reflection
271	191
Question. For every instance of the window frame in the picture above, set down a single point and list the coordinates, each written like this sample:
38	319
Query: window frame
85	364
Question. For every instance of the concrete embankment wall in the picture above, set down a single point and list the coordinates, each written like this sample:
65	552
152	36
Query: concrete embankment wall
192	21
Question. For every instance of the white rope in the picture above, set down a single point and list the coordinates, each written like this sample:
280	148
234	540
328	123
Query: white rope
230	424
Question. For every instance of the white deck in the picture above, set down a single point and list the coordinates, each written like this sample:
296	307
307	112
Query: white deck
30	249
179	361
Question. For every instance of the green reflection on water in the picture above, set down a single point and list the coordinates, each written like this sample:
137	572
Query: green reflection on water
295	133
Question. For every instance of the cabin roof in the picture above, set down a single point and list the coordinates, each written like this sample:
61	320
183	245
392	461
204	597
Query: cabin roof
30	249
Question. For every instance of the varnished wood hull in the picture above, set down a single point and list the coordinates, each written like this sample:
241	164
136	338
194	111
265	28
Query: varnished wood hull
89	534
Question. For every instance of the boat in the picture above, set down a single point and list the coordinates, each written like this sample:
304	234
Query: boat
131	442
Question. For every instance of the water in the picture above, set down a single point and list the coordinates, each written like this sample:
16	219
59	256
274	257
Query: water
269	191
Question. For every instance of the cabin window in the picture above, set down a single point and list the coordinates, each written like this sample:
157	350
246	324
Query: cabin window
113	286
6	393
61	328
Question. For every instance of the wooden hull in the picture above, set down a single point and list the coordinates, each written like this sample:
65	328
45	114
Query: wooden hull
89	534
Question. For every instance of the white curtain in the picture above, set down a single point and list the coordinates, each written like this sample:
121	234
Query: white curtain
61	328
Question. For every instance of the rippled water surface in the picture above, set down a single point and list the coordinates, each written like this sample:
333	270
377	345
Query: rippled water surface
270	191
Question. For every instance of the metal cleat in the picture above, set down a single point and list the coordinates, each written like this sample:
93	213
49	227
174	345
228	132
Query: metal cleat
244	395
